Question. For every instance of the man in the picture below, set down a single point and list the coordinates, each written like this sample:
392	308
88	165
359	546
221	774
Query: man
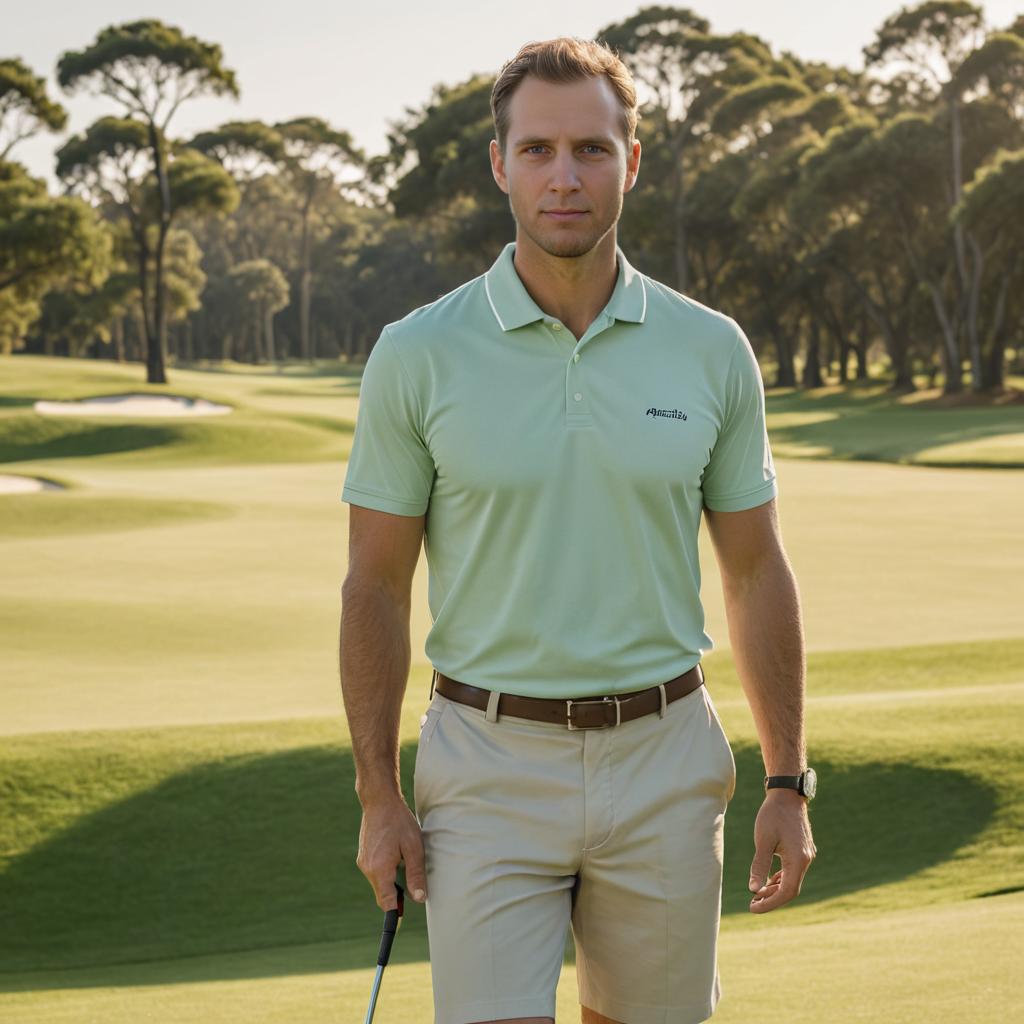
554	430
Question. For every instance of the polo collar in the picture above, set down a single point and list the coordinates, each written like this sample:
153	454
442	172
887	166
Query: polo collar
514	307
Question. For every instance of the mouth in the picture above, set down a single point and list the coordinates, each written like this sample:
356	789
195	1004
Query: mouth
565	215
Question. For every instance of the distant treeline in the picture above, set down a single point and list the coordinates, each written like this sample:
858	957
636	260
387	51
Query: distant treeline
836	214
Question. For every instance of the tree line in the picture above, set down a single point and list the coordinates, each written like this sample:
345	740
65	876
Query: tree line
835	213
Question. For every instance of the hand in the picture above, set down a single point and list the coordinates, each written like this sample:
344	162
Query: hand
390	833
782	826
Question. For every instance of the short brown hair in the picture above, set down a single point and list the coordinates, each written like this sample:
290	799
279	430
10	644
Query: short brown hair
565	59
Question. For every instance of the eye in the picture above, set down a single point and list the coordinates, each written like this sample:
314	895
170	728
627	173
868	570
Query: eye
594	146
530	149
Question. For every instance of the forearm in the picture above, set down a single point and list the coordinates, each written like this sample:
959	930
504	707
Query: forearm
374	657
766	634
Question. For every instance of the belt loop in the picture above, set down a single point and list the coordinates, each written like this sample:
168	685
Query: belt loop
664	700
433	679
492	705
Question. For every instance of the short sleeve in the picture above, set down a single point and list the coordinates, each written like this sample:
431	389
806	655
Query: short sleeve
741	473
390	467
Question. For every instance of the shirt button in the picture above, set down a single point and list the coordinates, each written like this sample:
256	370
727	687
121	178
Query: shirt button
576	358
578	397
556	327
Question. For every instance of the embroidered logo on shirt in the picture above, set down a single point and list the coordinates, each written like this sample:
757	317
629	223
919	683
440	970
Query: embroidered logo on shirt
672	414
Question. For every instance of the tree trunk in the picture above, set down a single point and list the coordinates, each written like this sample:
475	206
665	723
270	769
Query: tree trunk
117	337
786	374
679	215
305	276
844	359
812	365
994	355
141	335
978	383
951	345
147	338
903	371
157	355
968	278
268	327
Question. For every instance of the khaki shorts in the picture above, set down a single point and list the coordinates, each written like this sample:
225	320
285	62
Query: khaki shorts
529	828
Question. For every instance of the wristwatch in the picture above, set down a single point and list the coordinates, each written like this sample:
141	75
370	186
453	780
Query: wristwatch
806	783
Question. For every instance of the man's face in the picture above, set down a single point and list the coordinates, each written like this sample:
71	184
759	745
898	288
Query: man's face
566	166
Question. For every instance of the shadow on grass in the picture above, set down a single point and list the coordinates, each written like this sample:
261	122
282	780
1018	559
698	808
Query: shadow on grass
246	439
30	436
258	852
875	427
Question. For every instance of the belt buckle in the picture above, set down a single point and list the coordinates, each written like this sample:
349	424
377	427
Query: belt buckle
601	700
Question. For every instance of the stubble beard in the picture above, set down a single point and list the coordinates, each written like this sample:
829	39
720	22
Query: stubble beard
565	247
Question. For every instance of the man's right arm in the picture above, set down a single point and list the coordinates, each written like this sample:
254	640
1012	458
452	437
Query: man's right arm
375	657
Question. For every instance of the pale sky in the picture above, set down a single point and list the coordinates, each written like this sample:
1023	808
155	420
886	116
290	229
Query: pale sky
358	65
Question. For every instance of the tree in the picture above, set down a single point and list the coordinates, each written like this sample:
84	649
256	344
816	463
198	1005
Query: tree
317	158
43	242
942	43
150	69
440	153
25	109
261	290
990	208
682	73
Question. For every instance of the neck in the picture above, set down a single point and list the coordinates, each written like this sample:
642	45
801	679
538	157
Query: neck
570	289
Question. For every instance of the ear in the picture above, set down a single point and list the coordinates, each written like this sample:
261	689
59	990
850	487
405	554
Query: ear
498	167
632	166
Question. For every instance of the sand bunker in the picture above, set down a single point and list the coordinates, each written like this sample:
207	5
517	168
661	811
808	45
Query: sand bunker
10	484
134	405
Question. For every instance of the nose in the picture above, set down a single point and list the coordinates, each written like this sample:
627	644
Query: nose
564	178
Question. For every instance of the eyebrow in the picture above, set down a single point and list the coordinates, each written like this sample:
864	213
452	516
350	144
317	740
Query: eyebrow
594	140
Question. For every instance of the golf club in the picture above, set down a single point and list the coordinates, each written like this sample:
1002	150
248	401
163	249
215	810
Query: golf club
392	920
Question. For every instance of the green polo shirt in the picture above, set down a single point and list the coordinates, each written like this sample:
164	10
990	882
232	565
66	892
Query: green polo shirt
562	480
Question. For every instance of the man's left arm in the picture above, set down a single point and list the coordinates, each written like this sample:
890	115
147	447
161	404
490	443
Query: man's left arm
762	606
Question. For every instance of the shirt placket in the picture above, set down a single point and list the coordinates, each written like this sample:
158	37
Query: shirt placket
577	397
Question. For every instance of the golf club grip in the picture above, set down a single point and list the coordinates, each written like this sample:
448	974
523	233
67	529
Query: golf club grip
392	919
390	927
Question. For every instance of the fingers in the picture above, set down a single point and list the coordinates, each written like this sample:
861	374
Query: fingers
784	885
783	830
385	841
763	899
415	874
387	894
759	869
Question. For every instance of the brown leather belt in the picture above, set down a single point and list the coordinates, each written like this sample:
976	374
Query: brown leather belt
575	713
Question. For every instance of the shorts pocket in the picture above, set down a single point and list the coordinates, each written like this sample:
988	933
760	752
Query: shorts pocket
429	721
729	759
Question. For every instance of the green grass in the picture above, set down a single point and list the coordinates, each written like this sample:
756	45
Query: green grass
50	513
307	413
943	964
234	615
177	822
122	845
217	862
311	420
867	422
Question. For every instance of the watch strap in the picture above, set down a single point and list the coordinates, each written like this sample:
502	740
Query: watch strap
782	781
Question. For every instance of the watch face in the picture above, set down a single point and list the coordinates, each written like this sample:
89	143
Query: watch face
810	783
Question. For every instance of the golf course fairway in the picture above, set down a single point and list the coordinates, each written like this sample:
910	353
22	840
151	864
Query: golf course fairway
178	825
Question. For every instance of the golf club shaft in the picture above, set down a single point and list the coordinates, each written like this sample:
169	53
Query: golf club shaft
373	994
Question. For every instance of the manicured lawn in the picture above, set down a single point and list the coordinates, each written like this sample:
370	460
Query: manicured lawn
178	826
